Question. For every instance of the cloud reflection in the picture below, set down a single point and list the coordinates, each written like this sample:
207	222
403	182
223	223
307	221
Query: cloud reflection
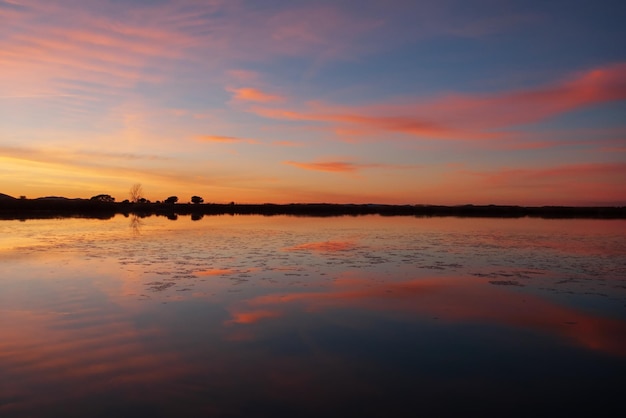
454	300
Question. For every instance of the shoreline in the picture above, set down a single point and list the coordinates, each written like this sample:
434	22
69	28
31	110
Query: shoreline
60	208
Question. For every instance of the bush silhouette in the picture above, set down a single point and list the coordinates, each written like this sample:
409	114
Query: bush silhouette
197	199
103	198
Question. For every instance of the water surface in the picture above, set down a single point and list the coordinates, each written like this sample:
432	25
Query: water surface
289	316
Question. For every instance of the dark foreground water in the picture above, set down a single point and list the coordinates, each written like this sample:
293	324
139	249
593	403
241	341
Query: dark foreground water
252	316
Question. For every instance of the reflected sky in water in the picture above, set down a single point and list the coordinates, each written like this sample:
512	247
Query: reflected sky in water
283	316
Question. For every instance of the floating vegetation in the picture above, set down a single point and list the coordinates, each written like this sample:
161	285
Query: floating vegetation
506	283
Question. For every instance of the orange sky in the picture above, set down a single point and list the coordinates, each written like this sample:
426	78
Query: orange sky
314	101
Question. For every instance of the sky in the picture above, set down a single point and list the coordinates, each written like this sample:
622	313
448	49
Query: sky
346	101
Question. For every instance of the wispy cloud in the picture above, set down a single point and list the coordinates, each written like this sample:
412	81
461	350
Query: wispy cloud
507	109
360	123
573	175
95	50
86	170
82	61
36	96
287	143
225	139
565	184
37	154
332	166
249	94
455	116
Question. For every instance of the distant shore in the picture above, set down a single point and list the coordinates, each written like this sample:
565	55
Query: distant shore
62	207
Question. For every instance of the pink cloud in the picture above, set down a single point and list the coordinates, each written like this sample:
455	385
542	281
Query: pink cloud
235	140
344	166
476	117
225	139
364	123
332	166
84	52
600	85
249	94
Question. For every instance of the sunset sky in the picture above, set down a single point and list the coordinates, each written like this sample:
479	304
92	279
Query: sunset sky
346	101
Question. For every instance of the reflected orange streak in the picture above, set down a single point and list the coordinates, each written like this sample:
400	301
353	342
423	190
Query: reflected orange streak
464	300
328	246
43	347
251	317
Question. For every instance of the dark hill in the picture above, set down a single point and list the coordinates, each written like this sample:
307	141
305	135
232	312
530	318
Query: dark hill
6	196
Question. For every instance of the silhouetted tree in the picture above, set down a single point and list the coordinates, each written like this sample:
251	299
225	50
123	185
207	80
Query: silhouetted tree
136	192
171	199
103	198
197	199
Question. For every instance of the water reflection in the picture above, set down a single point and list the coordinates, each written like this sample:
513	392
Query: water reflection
451	300
197	216
136	223
251	316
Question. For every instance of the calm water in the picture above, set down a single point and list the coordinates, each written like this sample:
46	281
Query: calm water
280	316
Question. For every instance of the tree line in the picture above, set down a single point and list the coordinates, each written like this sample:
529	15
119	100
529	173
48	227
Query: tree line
136	196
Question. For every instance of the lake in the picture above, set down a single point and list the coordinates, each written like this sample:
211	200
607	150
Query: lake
246	316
